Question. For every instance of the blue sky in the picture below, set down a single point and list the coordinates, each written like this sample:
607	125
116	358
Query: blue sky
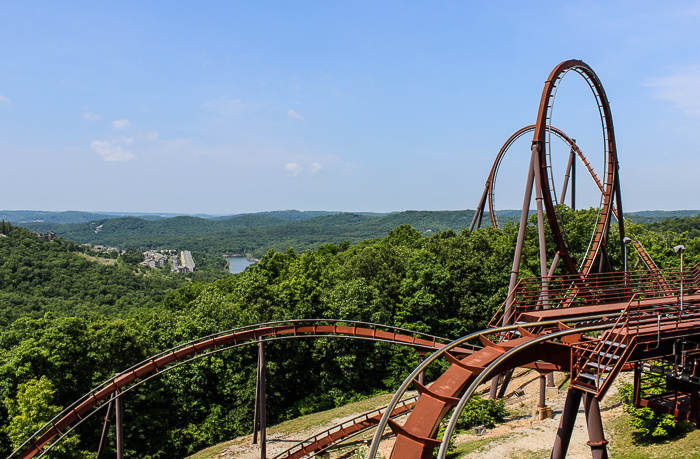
229	107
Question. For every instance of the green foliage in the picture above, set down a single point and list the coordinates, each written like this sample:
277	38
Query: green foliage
481	411
652	426
37	276
30	410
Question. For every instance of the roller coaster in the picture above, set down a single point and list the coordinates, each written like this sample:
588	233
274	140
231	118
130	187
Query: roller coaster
591	324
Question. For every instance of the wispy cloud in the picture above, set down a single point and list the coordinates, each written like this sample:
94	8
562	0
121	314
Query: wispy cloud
89	116
315	168
681	89
120	124
4	100
292	114
111	152
293	169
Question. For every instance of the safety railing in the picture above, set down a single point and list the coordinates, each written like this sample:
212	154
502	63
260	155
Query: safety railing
593	289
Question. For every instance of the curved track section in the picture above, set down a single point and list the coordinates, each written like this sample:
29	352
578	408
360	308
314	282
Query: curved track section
416	438
343	431
610	184
156	365
490	188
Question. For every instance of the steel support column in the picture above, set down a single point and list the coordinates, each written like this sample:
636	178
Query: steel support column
256	412
119	421
506	381
105	429
421	375
518	254
262	409
596	437
566	424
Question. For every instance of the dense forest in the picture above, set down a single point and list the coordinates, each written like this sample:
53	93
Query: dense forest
448	284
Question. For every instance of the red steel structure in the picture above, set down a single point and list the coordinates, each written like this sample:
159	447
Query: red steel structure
641	316
645	321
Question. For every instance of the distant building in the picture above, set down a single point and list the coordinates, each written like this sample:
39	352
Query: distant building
50	235
186	262
154	259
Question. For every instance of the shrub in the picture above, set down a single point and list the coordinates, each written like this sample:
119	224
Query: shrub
653	426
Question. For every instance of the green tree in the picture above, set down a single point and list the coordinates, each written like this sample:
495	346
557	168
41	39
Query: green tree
30	410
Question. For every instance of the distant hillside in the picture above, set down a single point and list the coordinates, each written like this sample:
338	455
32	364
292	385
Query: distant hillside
253	234
652	216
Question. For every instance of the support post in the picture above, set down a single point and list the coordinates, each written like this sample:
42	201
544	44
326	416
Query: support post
256	413
573	184
536	146
518	254
566	424
543	391
572	157
119	425
521	238
596	437
506	381
421	375
105	429
476	221
263	413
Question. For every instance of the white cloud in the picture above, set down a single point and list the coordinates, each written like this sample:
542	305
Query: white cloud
4	100
293	169
681	89
292	114
110	152
121	124
224	106
88	116
315	168
127	140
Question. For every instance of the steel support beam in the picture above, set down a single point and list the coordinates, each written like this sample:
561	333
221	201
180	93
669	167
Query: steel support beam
263	411
105	429
596	437
566	424
119	421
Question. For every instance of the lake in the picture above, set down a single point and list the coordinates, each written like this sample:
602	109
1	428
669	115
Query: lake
238	264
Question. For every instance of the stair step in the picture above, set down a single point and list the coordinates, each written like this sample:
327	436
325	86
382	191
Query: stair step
616	344
592	377
601	366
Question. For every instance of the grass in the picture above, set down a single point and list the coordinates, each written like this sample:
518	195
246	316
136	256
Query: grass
466	448
301	425
626	443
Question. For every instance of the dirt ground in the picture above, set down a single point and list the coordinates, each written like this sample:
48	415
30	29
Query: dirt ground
519	436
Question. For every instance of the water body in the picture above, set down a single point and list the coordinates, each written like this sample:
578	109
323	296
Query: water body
238	264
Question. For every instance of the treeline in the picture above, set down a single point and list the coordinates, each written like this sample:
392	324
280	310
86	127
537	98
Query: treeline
252	234
447	284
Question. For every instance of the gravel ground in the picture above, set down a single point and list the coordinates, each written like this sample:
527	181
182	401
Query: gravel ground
518	436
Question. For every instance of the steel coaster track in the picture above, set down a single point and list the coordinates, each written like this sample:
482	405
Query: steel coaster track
489	371
154	366
348	429
540	136
454	344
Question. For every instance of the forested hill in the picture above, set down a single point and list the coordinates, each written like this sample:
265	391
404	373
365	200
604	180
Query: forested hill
252	234
39	276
